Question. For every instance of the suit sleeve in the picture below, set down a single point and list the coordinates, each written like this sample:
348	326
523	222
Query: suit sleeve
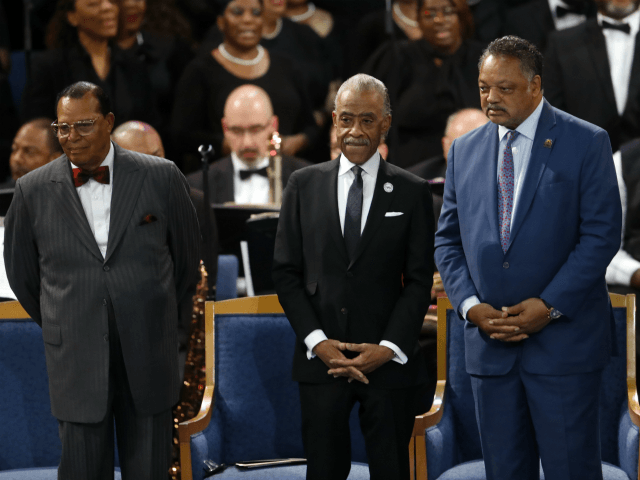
21	256
600	227
288	265
184	236
450	256
405	322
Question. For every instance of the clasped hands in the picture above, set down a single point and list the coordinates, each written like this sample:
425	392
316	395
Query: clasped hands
370	357
512	324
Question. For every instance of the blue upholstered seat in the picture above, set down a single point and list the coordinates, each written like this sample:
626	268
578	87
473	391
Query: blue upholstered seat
452	444
226	282
256	406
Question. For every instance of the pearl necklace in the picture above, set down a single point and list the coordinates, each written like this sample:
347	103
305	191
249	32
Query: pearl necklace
276	32
406	20
241	61
311	9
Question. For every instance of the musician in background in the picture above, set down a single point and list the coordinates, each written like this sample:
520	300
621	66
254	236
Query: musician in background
248	125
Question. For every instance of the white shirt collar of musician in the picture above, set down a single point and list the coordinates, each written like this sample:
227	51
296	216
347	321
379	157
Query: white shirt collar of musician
239	164
371	166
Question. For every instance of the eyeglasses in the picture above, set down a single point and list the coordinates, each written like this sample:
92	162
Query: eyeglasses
82	128
252	130
447	13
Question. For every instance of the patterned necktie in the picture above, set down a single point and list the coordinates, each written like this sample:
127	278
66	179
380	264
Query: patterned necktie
505	191
100	175
353	213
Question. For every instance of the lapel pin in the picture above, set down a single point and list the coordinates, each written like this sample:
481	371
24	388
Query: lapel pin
388	187
548	143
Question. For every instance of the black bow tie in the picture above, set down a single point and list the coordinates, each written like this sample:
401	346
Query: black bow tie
562	11
244	174
623	27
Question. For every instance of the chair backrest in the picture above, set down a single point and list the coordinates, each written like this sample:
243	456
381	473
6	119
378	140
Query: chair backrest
226	282
256	403
28	431
459	395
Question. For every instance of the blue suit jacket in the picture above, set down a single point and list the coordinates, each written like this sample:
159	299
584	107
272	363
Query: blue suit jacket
565	232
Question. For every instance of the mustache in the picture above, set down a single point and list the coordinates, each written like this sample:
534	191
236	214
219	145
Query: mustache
356	141
493	106
248	150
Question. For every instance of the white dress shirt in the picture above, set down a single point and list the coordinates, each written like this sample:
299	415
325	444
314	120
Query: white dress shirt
345	179
567	21
253	190
620	49
521	149
96	203
623	265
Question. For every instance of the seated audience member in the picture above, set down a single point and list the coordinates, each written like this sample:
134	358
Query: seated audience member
535	20
34	145
372	32
623	273
334	145
81	38
429	79
589	70
248	125
238	60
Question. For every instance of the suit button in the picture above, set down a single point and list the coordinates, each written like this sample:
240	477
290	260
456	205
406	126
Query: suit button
106	268
344	311
505	265
350	274
104	302
106	337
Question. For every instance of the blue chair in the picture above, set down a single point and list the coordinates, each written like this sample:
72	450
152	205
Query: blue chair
226	282
446	442
251	406
29	442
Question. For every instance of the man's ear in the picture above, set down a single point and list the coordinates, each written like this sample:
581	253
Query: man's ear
386	124
111	119
334	118
275	123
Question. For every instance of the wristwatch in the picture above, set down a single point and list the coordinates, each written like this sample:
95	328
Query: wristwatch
552	313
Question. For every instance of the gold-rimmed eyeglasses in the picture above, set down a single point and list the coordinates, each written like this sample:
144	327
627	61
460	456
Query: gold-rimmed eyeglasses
82	128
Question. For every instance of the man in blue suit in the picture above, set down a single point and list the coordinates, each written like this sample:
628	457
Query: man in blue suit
531	219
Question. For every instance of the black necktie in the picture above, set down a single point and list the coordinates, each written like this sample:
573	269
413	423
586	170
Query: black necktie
353	213
244	174
623	27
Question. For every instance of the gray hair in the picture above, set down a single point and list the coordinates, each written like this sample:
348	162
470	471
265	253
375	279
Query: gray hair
365	83
515	47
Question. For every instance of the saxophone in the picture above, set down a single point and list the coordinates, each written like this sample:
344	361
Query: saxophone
274	170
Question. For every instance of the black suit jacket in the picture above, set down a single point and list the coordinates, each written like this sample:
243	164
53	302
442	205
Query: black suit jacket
531	21
221	177
577	80
381	294
58	274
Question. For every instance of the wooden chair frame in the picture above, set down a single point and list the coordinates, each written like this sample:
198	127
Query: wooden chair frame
417	447
267	304
12	310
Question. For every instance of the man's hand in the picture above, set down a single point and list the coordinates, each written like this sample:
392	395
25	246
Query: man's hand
494	323
330	350
529	316
371	357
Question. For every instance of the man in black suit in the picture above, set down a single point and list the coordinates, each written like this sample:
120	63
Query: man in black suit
353	270
248	126
101	247
592	71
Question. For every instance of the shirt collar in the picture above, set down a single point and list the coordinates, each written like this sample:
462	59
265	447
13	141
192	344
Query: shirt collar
558	3
107	162
371	166
238	164
633	20
528	127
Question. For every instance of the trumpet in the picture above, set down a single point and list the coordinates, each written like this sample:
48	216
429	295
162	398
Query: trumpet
274	170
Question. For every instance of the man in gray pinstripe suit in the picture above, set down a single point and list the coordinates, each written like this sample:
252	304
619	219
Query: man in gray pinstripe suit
101	259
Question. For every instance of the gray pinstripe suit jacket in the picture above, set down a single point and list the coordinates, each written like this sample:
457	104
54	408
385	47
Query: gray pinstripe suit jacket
57	272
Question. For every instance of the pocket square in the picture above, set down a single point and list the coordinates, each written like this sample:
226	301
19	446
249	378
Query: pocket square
393	214
148	219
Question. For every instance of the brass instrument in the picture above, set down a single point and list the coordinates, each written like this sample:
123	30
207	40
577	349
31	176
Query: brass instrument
274	170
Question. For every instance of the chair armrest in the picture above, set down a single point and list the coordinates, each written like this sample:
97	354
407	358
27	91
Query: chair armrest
418	447
191	427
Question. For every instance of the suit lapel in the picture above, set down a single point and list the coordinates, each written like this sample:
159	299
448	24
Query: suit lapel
332	215
634	83
537	163
598	54
224	182
489	176
65	195
127	182
379	206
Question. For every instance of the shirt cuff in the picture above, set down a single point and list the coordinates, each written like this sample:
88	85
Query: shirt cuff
466	305
313	339
621	269
399	356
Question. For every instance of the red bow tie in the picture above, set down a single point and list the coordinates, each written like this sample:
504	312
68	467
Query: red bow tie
100	175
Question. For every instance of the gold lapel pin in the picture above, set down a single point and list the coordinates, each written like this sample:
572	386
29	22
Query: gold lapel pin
548	143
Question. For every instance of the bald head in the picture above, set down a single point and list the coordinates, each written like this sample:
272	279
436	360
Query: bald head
249	123
139	137
459	123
